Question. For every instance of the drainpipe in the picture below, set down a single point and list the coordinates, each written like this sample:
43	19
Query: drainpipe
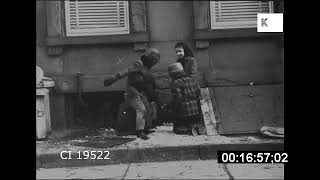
79	89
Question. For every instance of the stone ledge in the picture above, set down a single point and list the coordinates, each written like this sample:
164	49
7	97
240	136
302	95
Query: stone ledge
154	154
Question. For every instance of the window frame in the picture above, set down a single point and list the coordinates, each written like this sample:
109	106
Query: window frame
232	25
103	31
56	34
203	34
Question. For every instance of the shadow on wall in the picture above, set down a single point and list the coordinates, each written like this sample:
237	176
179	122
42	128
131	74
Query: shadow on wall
100	109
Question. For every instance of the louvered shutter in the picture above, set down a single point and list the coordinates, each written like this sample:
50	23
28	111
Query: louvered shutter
87	18
237	14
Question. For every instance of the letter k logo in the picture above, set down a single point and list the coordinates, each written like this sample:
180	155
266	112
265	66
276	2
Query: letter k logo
264	22
270	22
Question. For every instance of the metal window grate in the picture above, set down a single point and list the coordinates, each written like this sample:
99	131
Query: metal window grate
237	14
87	18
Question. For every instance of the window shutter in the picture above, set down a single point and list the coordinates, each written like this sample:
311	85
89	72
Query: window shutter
85	18
237	14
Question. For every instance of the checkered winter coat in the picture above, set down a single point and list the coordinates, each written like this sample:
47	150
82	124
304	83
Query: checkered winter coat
186	93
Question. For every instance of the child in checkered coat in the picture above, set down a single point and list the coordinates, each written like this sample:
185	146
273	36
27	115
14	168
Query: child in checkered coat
186	93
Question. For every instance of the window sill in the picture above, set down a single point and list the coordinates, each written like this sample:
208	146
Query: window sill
109	39
232	33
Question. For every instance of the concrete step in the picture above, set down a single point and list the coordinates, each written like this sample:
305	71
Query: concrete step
153	154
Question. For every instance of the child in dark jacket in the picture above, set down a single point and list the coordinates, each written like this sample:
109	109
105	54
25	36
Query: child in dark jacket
186	58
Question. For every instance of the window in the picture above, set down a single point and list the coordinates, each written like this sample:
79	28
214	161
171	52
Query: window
237	14
91	18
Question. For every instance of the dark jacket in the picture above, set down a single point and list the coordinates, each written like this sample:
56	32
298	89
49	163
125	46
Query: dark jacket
144	82
190	66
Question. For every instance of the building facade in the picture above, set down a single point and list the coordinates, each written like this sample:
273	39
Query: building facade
242	68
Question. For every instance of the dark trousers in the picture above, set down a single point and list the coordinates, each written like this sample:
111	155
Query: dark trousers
183	125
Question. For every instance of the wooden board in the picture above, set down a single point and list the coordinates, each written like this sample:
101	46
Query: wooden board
217	114
245	109
207	112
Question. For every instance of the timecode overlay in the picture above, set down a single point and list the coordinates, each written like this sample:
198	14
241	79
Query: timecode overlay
252	157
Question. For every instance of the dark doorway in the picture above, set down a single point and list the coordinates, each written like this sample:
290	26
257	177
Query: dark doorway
99	109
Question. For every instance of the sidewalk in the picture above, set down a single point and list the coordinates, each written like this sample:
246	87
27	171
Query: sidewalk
163	145
199	169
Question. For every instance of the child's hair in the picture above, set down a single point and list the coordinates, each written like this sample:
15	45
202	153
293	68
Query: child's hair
187	50
150	57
